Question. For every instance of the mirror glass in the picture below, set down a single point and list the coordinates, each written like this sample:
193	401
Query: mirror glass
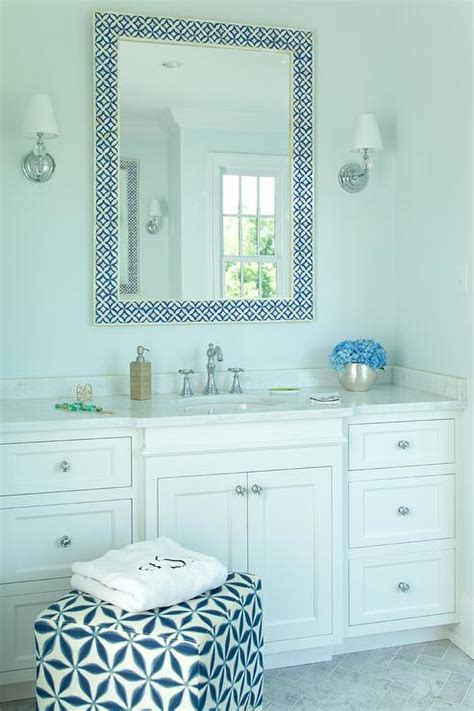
207	128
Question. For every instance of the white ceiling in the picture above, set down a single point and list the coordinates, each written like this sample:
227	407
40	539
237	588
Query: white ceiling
210	78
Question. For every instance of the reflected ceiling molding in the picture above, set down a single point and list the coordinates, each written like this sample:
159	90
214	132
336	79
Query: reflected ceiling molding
223	119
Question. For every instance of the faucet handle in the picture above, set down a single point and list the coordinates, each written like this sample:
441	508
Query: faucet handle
236	388
186	390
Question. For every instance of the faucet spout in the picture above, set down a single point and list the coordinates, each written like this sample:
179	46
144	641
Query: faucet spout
213	352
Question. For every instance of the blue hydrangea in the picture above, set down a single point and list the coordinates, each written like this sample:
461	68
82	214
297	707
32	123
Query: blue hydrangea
365	351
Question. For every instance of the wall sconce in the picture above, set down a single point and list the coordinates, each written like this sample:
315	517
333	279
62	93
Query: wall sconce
353	177
154	223
40	123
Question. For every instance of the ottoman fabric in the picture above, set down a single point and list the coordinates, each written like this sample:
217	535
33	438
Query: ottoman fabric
202	654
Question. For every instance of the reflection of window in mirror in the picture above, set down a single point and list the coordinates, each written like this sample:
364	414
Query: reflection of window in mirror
250	226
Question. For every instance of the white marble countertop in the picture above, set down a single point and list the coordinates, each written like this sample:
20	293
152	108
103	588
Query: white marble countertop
164	410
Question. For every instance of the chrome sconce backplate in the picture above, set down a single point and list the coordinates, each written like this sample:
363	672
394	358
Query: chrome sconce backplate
353	178
36	169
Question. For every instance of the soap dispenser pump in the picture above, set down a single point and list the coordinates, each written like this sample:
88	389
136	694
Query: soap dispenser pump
140	376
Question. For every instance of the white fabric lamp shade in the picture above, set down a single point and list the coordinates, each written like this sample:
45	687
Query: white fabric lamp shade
40	118
155	210
367	134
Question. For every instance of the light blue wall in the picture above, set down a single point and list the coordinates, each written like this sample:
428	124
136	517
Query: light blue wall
48	229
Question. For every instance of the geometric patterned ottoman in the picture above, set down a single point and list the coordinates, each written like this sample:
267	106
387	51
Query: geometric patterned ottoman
203	654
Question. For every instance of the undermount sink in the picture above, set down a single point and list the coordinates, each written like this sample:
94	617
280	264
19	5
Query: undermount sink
223	403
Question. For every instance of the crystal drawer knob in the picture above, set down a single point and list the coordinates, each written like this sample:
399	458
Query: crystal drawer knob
65	466
257	489
403	510
404	444
240	490
403	587
65	542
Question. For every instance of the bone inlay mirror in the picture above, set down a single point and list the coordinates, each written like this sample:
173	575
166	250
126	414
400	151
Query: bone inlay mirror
219	119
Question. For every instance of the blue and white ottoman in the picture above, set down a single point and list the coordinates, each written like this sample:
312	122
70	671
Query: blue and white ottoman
204	654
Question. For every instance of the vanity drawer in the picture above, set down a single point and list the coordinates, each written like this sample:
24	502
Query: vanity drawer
43	541
40	467
401	510
401	587
401	444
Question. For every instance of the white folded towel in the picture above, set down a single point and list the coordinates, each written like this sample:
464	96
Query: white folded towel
149	574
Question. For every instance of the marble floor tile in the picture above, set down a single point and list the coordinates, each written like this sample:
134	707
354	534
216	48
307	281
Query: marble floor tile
352	661
468	700
437	649
394	698
411	652
456	688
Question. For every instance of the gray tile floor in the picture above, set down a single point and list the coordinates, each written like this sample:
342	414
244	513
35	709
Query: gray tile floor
434	675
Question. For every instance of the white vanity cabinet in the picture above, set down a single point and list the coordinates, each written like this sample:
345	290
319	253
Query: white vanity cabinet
351	520
64	496
276	524
273	510
401	526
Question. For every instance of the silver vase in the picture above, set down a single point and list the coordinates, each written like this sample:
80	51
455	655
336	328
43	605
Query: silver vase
357	377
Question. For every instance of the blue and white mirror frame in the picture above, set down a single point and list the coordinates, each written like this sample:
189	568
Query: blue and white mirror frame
109	308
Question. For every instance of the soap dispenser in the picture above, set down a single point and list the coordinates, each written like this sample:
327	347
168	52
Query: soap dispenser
140	376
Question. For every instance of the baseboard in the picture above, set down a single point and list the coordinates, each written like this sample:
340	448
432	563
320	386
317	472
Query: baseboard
16	692
313	655
275	660
462	634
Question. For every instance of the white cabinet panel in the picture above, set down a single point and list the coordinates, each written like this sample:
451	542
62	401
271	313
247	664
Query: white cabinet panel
39	467
401	586
290	531
43	541
17	617
400	444
205	513
401	510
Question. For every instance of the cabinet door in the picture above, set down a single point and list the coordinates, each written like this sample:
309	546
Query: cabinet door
290	523
207	514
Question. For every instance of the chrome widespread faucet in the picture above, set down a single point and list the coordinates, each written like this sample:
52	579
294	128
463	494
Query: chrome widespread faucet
212	353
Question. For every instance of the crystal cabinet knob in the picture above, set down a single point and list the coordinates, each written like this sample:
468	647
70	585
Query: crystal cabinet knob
403	444
403	510
257	489
403	587
240	490
65	466
65	542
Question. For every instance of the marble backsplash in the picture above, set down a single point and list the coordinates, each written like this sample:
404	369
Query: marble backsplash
65	388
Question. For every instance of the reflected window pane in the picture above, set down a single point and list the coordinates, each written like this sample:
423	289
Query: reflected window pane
267	195
249	195
269	280
231	236
267	236
232	280
249	235
230	194
250	280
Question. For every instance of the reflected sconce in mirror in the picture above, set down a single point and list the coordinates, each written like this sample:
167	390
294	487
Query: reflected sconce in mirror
353	177
153	225
40	123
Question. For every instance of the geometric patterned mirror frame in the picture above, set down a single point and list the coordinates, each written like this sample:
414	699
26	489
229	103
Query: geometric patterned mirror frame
109	309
